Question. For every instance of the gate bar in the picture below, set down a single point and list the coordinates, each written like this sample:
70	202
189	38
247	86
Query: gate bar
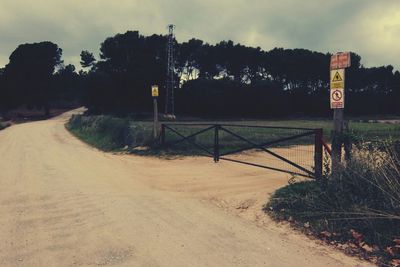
268	143
193	143
189	136
267	167
270	152
241	125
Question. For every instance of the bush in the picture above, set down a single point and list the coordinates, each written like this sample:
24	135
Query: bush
363	197
107	132
4	125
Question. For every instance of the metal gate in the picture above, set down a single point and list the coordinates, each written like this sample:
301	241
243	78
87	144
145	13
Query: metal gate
293	150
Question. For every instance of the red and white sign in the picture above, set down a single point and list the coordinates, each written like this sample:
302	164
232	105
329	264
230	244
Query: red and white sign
337	98
340	61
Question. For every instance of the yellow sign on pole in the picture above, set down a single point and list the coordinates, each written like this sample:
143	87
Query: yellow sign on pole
154	91
337	77
337	88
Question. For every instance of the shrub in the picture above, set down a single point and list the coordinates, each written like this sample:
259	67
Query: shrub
4	125
107	132
364	195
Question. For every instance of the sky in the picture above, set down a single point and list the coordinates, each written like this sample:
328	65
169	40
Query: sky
370	28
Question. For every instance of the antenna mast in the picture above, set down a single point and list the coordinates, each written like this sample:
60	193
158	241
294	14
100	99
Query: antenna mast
170	84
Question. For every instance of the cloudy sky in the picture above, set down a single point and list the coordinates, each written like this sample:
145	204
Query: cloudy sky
370	28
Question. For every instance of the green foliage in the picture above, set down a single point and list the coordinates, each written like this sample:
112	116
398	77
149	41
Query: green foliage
222	79
230	79
364	195
27	77
87	59
107	133
4	125
68	87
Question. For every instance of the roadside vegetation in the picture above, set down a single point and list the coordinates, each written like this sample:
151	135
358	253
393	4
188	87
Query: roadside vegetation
116	133
4	124
356	209
109	133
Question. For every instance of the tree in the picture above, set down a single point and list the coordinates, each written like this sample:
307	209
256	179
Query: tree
87	59
130	62
188	56
28	75
231	75
68	87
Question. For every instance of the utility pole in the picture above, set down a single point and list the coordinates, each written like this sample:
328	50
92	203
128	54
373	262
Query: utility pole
170	83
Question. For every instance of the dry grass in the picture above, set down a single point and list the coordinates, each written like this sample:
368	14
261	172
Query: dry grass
362	198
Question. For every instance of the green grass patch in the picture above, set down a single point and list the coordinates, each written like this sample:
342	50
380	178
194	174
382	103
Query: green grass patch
228	141
108	133
366	130
114	133
4	125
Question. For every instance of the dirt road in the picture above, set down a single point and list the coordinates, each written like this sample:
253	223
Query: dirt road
63	203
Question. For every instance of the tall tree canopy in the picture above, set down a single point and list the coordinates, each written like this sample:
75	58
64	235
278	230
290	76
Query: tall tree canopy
87	59
131	63
29	72
210	76
244	80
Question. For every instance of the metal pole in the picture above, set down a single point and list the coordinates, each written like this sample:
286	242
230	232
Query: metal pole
155	126
216	144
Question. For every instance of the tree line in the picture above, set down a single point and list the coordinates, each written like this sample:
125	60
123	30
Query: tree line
225	79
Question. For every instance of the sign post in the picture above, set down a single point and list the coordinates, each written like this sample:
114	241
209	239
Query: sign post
339	62
154	94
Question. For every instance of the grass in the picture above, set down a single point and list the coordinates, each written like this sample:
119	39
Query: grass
128	133
4	125
365	130
108	133
359	205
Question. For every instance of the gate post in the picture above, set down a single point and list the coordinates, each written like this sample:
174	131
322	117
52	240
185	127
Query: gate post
216	143
318	150
162	135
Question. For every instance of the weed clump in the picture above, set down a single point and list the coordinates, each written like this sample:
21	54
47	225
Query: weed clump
359	204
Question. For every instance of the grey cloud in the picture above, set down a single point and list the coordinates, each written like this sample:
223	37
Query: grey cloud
325	26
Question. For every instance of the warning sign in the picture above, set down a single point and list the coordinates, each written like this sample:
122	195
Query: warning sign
337	98
337	88
154	91
337	79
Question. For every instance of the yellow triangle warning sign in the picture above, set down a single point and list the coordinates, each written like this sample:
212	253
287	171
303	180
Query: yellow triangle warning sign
337	77
154	90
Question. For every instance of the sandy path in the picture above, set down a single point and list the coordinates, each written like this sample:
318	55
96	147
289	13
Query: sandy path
63	203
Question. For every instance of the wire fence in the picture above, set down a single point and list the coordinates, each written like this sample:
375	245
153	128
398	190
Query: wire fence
287	149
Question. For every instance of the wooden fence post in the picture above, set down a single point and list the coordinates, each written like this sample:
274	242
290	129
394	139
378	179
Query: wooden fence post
318	153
